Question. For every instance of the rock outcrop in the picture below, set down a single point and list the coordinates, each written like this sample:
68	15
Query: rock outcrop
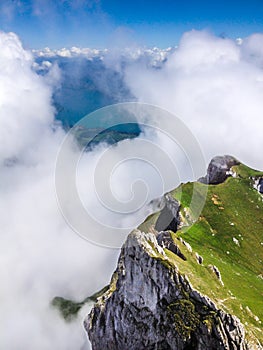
169	218
259	185
165	240
219	169
151	306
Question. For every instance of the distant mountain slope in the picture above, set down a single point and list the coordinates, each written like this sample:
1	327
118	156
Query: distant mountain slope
90	137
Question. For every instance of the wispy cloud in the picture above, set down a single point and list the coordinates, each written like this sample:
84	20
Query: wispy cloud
9	9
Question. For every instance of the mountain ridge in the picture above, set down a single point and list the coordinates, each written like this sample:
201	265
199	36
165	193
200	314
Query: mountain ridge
223	264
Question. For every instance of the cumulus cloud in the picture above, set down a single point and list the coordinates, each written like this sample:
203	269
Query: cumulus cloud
40	255
252	49
215	86
22	122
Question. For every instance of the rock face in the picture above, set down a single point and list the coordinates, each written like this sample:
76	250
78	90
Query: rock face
259	185
165	240
219	169
151	306
169	218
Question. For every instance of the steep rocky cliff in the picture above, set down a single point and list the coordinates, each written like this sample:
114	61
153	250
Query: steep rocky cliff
190	284
184	284
150	305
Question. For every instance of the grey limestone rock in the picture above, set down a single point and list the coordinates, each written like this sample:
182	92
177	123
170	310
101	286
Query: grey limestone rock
219	169
151	306
169	218
259	185
165	240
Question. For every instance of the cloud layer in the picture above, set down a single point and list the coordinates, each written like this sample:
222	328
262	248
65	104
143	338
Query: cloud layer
40	256
215	86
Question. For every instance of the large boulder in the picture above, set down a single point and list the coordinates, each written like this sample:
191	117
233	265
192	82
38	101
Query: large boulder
219	169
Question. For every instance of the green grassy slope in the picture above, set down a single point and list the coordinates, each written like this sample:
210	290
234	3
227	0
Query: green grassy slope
229	235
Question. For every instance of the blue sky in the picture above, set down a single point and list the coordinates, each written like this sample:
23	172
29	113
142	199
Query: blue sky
104	23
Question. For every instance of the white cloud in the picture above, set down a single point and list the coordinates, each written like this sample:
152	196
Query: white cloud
40	256
252	49
215	86
25	108
155	56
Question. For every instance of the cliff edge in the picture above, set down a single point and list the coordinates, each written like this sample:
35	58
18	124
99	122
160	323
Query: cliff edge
150	305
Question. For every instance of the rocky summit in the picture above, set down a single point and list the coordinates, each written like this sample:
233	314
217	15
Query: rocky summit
190	284
219	169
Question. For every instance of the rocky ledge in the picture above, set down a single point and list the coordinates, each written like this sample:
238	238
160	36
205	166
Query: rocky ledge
150	305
